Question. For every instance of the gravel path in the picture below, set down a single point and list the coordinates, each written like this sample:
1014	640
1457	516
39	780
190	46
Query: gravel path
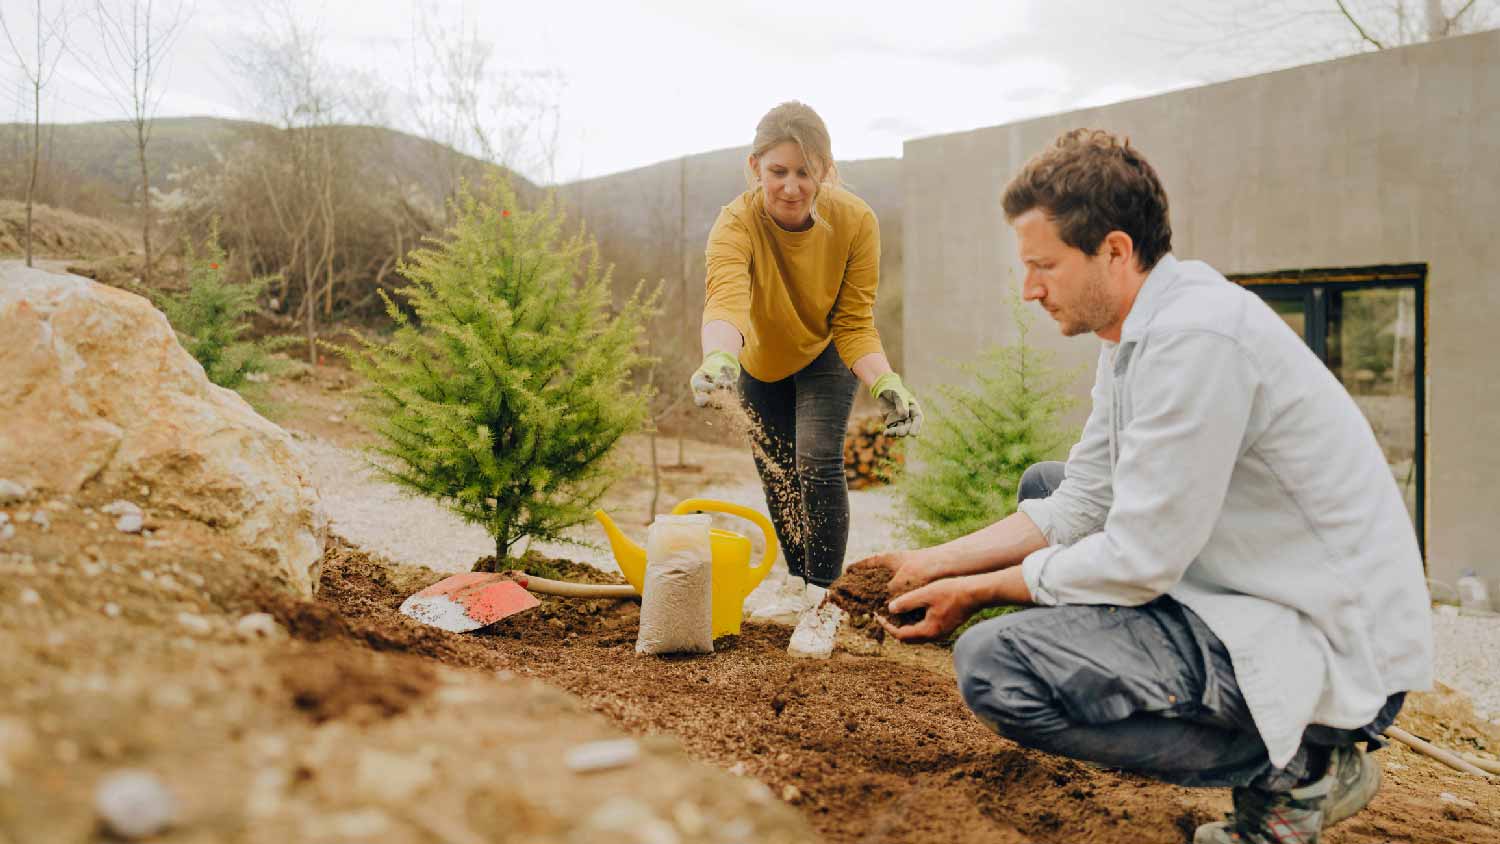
1468	658
380	517
377	516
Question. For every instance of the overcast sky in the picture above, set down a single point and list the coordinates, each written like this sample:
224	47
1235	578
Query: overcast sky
647	81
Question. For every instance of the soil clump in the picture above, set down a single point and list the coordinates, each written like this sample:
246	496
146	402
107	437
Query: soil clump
328	682
863	592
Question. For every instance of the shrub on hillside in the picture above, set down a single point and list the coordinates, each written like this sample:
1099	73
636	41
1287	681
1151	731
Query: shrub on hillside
507	382
211	315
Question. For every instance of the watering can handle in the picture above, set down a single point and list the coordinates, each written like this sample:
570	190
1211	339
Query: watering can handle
693	505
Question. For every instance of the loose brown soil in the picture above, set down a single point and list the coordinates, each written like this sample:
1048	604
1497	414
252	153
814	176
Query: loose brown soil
121	651
871	749
366	726
868	749
329	681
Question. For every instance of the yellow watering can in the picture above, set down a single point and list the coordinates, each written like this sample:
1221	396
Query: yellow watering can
733	576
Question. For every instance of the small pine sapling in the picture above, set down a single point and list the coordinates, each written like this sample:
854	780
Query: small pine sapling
507	382
212	314
966	467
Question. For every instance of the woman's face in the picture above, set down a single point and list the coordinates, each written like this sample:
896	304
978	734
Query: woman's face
790	184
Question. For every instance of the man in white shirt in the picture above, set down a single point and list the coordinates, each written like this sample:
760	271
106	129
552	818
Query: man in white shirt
1231	590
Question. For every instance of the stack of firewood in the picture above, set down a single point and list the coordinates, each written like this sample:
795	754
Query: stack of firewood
870	457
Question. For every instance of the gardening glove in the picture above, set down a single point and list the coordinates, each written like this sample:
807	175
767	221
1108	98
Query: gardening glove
719	371
903	416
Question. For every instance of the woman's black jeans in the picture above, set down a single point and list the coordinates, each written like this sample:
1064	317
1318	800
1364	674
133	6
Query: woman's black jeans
798	443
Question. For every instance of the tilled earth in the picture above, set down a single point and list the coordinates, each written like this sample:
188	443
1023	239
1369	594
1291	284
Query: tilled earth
871	749
122	651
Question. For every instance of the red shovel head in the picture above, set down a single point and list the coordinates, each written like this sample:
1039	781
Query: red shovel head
468	601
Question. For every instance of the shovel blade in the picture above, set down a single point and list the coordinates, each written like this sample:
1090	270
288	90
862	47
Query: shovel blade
468	601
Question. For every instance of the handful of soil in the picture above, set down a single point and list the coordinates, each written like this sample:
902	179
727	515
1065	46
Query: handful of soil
863	592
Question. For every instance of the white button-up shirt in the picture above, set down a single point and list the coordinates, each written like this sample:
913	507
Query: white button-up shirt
1224	465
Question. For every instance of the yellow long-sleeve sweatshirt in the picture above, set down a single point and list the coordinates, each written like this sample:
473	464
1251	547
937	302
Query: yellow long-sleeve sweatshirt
789	293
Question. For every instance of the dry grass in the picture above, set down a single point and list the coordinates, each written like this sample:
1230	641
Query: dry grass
57	233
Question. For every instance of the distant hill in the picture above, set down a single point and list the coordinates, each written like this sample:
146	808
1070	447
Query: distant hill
60	234
91	168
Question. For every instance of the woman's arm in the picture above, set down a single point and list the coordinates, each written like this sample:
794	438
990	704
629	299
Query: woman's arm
726	305
720	336
858	341
870	367
726	311
853	317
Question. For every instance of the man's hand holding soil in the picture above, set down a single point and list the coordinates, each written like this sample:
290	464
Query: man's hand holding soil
908	569
948	602
953	580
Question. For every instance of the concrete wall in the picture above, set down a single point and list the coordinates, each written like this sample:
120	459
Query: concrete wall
1383	158
653	222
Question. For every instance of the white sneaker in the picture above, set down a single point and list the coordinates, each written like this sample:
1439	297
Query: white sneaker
766	592
813	638
788	604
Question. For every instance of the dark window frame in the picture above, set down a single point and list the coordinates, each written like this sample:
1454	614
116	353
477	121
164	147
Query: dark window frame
1312	286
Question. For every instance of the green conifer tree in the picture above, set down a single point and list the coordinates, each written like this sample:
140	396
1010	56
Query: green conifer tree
507	381
965	468
212	315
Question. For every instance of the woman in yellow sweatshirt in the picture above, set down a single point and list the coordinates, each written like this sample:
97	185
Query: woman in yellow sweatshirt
793	264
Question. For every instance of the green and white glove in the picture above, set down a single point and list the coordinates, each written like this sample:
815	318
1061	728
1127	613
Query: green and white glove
903	416
719	371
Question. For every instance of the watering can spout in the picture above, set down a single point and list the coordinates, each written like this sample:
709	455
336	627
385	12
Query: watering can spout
630	557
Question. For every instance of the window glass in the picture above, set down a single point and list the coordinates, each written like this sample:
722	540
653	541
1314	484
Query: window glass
1293	312
1372	336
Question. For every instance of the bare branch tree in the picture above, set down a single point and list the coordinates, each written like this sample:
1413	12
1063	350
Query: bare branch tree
1441	25
1256	35
38	65
1344	10
300	90
460	98
135	37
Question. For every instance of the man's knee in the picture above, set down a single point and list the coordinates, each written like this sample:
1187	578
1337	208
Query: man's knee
971	664
1040	480
995	681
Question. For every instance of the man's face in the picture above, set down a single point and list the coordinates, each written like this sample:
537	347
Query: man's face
1072	286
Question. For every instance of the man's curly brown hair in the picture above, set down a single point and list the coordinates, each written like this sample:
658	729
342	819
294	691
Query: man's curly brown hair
1091	183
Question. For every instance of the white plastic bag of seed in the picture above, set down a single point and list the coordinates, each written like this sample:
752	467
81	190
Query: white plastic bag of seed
677	598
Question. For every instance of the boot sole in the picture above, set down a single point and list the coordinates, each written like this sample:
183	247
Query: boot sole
1354	801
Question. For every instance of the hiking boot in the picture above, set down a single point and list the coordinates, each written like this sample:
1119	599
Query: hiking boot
788	604
1356	778
816	629
1271	817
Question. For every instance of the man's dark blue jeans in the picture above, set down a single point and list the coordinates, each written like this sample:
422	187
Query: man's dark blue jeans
1148	689
799	452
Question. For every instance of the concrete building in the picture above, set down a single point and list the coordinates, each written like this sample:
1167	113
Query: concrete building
1359	196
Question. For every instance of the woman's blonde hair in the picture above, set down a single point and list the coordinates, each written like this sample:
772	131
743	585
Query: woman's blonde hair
798	123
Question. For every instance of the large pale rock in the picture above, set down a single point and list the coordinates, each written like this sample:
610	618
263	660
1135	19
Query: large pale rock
96	394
